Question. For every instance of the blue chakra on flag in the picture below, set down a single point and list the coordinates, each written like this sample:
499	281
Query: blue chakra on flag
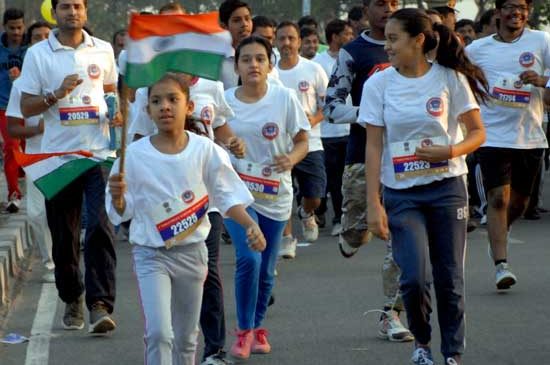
188	196
163	43
527	59
434	106
270	131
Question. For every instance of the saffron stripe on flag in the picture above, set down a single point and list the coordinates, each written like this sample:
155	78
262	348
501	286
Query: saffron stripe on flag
143	26
202	64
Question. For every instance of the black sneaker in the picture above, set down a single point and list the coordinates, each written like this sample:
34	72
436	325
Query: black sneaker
321	220
73	318
100	321
226	238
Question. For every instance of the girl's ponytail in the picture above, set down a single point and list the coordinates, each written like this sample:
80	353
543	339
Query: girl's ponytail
451	54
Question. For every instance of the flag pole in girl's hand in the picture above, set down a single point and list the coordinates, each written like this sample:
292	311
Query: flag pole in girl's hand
119	203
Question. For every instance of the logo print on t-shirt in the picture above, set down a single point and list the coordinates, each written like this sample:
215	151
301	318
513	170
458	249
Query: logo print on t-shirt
266	171
527	59
426	142
303	86
206	115
434	106
94	71
270	131
188	196
86	99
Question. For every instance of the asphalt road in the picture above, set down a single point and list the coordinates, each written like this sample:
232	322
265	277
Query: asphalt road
318	314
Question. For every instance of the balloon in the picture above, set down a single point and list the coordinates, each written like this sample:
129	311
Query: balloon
46	11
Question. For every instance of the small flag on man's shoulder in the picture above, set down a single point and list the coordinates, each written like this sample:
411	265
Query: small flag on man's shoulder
194	44
52	172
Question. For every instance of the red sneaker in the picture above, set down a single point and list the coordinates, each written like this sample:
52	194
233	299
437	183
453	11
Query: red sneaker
242	345
260	344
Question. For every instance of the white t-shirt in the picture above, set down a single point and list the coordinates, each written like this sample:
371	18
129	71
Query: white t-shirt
210	106
416	111
32	144
156	180
330	130
268	127
513	117
79	120
310	81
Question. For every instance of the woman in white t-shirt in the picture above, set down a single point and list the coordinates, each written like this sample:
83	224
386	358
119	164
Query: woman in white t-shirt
416	149
273	125
169	181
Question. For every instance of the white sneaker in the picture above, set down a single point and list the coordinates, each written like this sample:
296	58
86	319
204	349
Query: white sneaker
504	277
310	230
392	329
336	229
13	204
422	356
288	247
48	277
217	359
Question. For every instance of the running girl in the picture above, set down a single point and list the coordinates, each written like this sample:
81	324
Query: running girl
415	147
273	125
170	180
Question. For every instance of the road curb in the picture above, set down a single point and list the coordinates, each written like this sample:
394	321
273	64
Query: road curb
16	247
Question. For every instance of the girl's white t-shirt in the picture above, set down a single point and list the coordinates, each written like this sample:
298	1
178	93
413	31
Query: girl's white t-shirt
414	112
210	106
513	116
156	179
268	127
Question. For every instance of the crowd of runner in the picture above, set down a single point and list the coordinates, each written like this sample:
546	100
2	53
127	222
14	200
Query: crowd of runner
414	125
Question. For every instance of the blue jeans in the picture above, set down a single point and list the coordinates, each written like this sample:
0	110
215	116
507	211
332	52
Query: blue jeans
254	277
431	220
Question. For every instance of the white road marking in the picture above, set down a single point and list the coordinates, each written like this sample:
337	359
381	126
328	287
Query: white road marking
38	351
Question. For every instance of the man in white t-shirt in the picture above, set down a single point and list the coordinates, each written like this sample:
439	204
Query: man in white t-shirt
334	136
235	16
65	78
513	60
309	80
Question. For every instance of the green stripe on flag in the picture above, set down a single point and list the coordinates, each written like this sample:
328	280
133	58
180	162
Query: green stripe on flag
58	179
198	63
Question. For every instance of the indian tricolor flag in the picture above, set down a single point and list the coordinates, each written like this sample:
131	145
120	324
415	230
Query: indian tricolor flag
194	44
52	172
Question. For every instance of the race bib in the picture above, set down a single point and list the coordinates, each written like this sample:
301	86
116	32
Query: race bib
75	110
510	91
405	163
178	218
262	180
